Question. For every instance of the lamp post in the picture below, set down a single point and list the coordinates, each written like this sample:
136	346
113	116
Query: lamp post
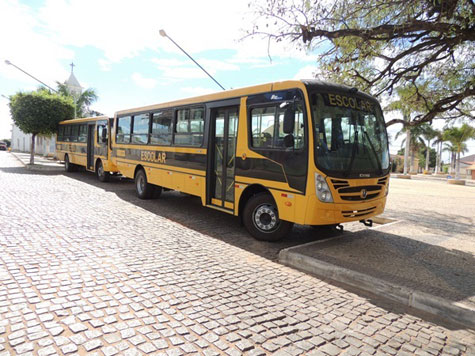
164	34
28	74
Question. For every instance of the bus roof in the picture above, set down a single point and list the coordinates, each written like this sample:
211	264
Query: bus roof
235	93
84	119
226	94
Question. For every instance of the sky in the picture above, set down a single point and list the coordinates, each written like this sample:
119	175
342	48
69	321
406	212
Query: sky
117	50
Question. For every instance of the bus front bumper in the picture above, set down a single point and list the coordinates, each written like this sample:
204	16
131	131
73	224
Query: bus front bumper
333	213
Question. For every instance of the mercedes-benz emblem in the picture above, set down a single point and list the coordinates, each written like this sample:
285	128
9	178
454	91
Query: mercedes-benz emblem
364	193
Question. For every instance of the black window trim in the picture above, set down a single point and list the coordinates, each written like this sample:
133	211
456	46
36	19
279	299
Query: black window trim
175	120
172	110
117	129
132	129
276	105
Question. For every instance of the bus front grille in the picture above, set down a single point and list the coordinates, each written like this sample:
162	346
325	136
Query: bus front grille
358	193
357	213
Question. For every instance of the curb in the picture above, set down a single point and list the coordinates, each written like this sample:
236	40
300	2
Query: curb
453	311
39	167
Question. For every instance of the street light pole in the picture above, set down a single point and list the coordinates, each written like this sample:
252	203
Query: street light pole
28	74
164	34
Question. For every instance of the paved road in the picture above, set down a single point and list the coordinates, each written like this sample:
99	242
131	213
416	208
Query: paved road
85	267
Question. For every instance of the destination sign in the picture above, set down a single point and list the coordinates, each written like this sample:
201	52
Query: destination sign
349	102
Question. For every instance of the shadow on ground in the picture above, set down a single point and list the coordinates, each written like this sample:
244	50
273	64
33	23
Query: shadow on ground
227	228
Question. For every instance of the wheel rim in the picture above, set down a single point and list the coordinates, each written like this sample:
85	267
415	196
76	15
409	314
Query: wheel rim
66	163
100	170
140	183
265	218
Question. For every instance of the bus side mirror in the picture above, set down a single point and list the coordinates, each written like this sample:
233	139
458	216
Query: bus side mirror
289	119
104	135
289	140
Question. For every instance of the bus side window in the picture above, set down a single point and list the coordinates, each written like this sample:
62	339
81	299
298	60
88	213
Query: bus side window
299	128
189	127
267	125
102	134
75	133
162	128
263	127
67	133
123	129
140	129
60	133
83	133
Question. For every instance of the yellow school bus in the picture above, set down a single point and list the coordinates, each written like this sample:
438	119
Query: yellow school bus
305	152
85	142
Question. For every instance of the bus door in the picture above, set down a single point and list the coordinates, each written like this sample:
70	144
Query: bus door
90	146
224	124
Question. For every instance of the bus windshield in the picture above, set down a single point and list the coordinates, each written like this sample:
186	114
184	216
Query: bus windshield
350	136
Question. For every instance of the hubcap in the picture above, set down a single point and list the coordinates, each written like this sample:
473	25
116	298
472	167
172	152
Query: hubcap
140	184
265	217
100	170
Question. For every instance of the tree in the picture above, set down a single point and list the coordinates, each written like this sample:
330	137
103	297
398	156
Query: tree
380	45
39	112
428	133
439	140
408	104
423	155
457	136
83	101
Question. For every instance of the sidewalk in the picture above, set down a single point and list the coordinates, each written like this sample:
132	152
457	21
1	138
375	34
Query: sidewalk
424	259
469	182
41	163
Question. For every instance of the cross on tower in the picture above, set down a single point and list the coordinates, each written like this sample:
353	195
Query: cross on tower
72	66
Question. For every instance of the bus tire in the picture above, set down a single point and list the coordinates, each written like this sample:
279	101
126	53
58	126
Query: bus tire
102	175
144	189
68	166
261	219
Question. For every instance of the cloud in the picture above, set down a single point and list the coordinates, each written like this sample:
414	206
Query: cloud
197	91
307	72
23	43
141	81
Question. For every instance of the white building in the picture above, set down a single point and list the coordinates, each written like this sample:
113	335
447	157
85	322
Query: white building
44	145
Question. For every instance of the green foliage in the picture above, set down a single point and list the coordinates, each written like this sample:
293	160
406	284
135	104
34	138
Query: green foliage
83	101
457	136
422	157
39	112
381	45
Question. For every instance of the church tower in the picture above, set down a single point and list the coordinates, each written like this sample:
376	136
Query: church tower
73	87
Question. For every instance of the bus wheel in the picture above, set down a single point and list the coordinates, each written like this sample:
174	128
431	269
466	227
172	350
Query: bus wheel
261	219
142	187
102	175
68	166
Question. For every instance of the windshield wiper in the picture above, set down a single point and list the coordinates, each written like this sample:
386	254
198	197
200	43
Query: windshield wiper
380	167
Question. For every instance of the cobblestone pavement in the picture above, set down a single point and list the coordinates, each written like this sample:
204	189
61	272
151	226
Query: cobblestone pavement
82	271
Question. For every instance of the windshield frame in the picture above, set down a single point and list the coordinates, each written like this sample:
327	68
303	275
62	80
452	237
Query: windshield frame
350	171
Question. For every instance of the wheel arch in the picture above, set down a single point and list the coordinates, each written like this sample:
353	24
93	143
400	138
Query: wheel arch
98	159
249	192
139	167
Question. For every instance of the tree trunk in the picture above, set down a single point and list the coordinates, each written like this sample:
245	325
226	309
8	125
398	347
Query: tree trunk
427	155
32	151
454	162
437	160
411	161
457	169
406	151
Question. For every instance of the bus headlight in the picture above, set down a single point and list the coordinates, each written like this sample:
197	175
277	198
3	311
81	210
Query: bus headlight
322	189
